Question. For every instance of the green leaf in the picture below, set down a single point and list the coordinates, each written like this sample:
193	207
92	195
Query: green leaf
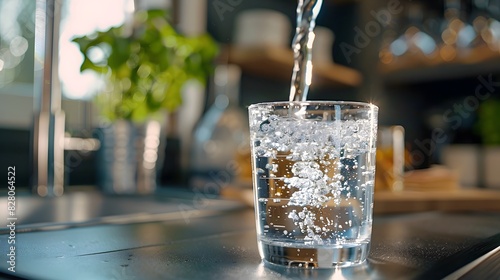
89	65
147	69
489	121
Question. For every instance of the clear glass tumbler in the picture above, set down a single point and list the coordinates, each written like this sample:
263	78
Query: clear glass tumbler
313	174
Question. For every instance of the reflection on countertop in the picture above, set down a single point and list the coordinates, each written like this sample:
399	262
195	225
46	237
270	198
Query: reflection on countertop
178	234
88	206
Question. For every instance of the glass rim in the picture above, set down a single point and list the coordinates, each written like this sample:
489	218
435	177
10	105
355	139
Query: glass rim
315	103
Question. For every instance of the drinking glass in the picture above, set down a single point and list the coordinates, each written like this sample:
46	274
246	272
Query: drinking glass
390	158
313	175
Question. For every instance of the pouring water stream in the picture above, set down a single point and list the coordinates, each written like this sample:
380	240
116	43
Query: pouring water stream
307	12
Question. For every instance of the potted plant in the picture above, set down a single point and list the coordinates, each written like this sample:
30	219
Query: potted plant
489	128
145	68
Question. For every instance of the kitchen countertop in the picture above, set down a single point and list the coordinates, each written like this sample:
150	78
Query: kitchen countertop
195	237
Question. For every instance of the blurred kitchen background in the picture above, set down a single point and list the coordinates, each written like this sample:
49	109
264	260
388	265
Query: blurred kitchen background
431	66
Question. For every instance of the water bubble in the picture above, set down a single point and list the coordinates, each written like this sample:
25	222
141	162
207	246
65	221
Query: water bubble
302	215
319	163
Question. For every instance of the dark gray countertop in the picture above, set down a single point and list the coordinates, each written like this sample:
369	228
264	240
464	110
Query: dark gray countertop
217	241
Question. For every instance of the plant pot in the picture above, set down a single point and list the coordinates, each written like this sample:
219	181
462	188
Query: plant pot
491	166
129	157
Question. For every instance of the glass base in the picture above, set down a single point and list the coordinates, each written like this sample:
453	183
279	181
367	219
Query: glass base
320	256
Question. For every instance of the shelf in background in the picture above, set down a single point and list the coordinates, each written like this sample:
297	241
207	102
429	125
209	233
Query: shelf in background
277	63
413	70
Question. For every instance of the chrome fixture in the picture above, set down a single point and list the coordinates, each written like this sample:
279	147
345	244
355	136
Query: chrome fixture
48	127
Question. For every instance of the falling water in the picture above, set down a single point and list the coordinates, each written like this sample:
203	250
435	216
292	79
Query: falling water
307	11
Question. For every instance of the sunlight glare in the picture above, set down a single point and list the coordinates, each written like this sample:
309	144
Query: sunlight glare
83	18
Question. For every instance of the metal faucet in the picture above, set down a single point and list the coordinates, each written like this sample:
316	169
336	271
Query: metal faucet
48	127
